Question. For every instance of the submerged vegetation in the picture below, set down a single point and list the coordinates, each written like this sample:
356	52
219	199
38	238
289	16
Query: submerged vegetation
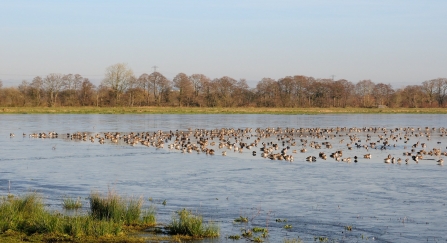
241	219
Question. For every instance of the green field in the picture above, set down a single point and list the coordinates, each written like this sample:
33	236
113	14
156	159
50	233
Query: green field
215	110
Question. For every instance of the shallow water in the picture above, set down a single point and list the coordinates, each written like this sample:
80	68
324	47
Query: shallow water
382	202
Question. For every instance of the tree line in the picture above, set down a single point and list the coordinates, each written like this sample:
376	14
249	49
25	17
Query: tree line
120	87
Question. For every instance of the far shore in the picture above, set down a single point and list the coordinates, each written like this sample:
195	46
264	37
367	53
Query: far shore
215	110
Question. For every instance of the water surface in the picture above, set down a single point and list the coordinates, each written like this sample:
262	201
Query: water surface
382	202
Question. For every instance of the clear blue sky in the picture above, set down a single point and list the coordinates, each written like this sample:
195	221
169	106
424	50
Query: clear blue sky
398	42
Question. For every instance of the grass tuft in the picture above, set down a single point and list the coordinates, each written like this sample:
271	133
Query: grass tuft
69	203
113	207
148	216
186	223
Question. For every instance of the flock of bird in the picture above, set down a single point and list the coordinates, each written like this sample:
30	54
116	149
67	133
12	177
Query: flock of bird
284	144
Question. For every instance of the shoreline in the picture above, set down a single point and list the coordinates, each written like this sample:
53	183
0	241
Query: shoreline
215	110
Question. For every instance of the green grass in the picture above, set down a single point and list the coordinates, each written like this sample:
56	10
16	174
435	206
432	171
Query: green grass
25	217
148	216
115	208
27	214
69	203
214	110
186	223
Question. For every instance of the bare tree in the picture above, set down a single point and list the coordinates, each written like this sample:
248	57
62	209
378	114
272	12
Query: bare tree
201	86
286	88
224	89
242	93
23	88
117	78
132	90
185	88
267	90
382	93
364	89
12	97
300	85
319	92
440	90
69	96
36	88
145	83
340	91
412	96
429	89
87	93
161	86
198	82
53	84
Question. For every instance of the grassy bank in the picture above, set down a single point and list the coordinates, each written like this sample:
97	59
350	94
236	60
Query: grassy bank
215	110
110	218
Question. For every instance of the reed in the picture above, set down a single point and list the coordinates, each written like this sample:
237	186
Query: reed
186	223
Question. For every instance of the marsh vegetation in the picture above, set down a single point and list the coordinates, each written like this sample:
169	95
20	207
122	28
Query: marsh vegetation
109	218
187	223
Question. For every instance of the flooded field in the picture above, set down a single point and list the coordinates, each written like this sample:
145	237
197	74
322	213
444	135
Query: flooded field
335	200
